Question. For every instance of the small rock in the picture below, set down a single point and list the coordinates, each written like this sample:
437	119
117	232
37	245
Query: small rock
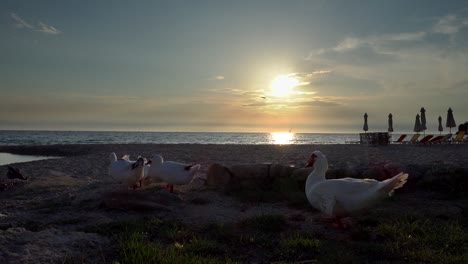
15	173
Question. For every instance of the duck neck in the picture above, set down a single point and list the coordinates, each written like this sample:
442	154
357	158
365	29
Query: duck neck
317	175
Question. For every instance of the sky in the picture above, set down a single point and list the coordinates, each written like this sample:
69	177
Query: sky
232	66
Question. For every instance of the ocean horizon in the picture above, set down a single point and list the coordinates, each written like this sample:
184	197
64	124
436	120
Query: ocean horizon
45	137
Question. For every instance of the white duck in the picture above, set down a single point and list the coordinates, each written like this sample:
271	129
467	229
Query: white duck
173	173
338	198
124	170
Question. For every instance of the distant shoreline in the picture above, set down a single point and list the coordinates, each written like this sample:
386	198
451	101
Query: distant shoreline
101	137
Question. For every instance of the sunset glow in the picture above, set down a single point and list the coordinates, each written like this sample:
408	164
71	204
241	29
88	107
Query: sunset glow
282	85
282	138
231	66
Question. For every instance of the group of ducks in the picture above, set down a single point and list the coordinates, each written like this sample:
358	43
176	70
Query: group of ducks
141	172
335	198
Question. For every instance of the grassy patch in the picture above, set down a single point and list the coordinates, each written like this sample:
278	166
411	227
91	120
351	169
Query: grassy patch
156	241
268	238
425	240
219	231
298	247
139	246
205	246
134	248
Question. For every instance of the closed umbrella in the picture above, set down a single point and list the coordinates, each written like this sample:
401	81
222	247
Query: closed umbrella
390	123
366	127
450	122
423	119
441	128
417	124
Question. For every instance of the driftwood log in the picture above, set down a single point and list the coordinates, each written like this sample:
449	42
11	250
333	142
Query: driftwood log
222	176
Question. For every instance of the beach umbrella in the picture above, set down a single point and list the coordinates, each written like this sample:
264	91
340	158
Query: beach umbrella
390	123
441	128
417	124
450	122
423	119
366	127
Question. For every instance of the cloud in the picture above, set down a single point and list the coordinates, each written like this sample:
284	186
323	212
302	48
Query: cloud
47	29
386	43
449	24
318	103
374	42
297	102
320	72
349	44
257	104
345	85
419	61
216	78
313	103
20	23
41	27
226	90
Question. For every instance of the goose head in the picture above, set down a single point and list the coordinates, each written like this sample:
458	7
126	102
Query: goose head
140	162
318	161
155	159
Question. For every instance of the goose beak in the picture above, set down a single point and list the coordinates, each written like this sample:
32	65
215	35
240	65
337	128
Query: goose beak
148	162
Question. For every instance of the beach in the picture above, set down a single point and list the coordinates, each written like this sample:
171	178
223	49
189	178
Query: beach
44	218
340	154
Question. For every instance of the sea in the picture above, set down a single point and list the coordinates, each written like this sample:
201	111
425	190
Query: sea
24	137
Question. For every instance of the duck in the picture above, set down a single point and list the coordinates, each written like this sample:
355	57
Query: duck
339	198
124	170
171	172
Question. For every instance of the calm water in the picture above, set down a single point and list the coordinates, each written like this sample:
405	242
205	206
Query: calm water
7	158
87	137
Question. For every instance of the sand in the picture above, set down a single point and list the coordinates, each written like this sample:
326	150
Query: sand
44	219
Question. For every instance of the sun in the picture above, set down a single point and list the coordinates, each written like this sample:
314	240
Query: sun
282	138
282	85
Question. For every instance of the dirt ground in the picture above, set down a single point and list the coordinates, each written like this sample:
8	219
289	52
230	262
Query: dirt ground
47	218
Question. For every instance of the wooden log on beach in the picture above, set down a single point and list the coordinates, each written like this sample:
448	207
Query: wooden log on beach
222	176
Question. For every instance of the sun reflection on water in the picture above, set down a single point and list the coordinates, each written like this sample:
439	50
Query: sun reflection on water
282	138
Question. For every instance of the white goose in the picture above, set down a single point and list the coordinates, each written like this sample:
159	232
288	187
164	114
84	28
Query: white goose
173	173
338	198
124	170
